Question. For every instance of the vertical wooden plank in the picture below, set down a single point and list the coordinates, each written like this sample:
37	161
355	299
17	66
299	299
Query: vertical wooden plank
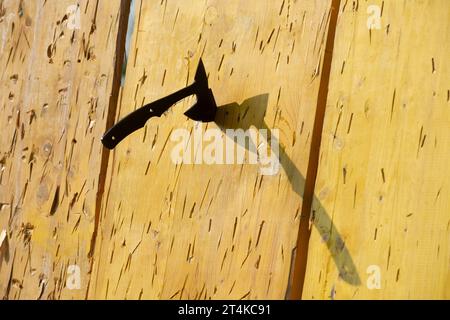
383	170
306	221
56	84
212	231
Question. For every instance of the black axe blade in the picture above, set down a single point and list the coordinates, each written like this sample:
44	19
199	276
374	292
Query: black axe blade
205	108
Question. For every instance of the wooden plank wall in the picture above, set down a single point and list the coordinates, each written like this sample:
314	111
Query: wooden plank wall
383	172
142	227
212	231
56	84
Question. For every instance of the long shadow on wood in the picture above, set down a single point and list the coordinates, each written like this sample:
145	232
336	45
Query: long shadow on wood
251	113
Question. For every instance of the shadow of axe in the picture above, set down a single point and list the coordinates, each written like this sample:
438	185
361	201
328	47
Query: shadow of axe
251	113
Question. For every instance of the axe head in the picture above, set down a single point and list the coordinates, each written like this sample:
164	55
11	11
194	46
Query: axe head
204	109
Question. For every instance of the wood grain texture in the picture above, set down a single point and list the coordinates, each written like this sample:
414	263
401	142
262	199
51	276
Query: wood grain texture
383	172
211	231
56	84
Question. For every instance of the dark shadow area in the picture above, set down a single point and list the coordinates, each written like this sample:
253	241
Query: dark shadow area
4	251
251	113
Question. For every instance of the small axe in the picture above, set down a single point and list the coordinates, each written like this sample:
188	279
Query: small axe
204	109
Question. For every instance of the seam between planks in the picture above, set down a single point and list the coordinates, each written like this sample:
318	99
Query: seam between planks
301	257
110	118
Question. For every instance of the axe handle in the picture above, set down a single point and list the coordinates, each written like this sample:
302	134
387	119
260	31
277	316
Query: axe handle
138	118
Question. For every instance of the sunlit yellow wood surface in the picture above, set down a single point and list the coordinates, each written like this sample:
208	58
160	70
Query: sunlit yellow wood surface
211	231
384	163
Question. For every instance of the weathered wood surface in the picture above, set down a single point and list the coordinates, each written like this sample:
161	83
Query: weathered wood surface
56	82
211	231
140	226
383	173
